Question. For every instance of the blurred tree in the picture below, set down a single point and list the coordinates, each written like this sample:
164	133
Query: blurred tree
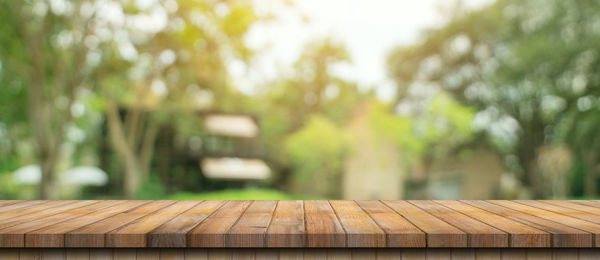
44	53
312	88
161	75
528	67
316	152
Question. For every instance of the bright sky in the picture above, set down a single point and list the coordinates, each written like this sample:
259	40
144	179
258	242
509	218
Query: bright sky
370	29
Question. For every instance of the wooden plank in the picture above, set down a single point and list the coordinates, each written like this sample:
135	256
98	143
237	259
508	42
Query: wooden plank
291	254
439	254
30	254
4	203
267	254
77	254
439	233
480	234
196	254
220	254
521	235
339	254
562	235
549	215
9	253
101	254
315	253
287	226
211	232
488	254
14	236
169	254
53	235
514	254
134	233
575	213
361	230
399	231
148	254
323	228
589	254
93	235
591	203
173	232
32	212
575	206
54	253
125	254
26	204
243	254
414	254
250	230
463	253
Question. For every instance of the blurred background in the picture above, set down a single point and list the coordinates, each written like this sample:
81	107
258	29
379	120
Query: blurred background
275	99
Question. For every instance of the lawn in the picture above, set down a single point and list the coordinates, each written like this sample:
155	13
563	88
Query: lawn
247	194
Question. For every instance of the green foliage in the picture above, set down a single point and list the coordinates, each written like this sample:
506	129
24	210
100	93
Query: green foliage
529	68
247	194
152	189
400	129
443	125
316	152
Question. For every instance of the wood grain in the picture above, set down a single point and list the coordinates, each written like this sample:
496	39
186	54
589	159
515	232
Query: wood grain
549	215
361	230
323	229
14	236
562	210
480	234
562	235
53	235
439	233
521	235
287	226
173	233
299	224
211	232
250	230
134	233
399	231
93	235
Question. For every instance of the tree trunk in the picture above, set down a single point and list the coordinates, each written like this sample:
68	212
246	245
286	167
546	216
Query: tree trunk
131	174
47	190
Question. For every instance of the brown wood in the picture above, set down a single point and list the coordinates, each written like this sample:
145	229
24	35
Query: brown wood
298	224
134	233
211	232
323	229
439	233
287	226
561	209
305	253
549	215
93	235
250	230
361	230
480	234
173	233
53	235
520	234
14	236
399	231
562	235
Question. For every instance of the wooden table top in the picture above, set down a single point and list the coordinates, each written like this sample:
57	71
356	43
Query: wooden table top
335	223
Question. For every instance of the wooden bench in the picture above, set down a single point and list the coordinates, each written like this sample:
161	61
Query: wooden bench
336	229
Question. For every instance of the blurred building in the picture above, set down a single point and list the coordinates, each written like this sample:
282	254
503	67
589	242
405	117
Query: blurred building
374	167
